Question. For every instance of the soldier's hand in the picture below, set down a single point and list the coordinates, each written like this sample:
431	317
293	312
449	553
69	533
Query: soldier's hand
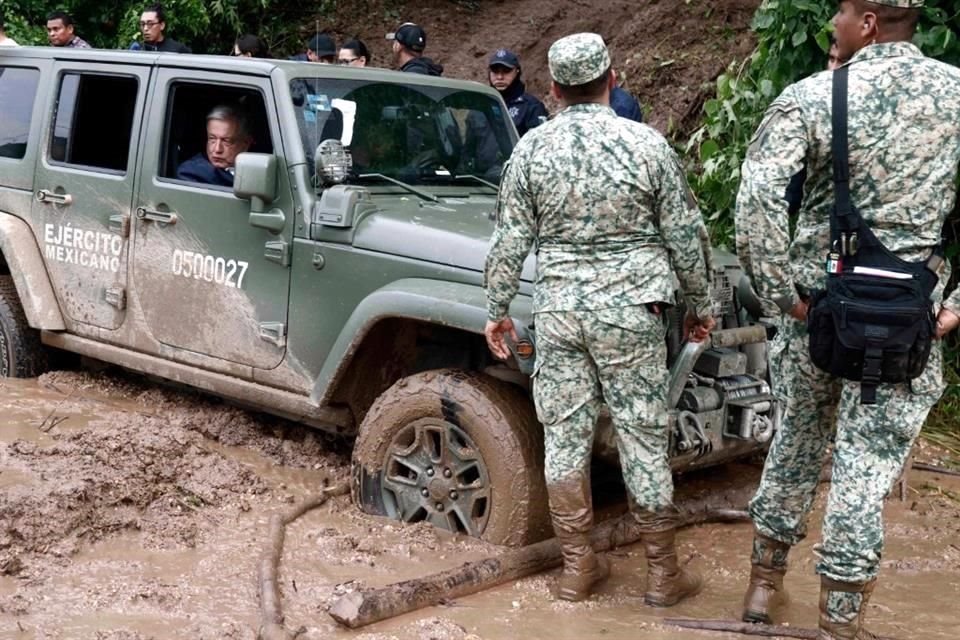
799	311
495	332
698	329
947	321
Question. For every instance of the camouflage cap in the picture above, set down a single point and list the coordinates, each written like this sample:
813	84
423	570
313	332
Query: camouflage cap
578	59
903	4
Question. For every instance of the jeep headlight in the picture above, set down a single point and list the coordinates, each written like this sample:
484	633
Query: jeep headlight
332	161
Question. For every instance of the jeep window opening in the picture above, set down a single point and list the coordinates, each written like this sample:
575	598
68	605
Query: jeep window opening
88	106
18	90
188	104
415	134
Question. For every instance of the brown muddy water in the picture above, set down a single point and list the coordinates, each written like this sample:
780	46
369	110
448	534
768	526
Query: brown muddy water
130	511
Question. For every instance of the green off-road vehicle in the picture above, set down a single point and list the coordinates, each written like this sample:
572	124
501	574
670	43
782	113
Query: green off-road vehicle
338	283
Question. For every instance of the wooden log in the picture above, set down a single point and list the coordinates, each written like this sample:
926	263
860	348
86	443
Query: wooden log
271	613
749	628
745	628
932	468
363	607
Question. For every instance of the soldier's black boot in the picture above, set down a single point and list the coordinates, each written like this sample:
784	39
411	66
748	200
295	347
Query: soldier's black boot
571	509
667	582
765	593
842	619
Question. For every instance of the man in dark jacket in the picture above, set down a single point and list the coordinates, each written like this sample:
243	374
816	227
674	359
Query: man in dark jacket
409	41
227	137
321	48
153	23
526	110
625	105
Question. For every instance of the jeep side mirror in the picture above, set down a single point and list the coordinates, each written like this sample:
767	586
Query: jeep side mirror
255	179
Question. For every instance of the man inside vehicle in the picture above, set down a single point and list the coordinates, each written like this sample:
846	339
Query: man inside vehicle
227	137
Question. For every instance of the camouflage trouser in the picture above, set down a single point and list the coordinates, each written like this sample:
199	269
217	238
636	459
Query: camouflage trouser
871	446
615	355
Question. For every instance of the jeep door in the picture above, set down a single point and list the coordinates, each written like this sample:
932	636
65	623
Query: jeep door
84	185
207	281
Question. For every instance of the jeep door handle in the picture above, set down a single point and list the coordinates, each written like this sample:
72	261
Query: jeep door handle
49	197
152	215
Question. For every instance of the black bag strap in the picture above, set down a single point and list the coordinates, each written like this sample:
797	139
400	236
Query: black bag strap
845	217
845	220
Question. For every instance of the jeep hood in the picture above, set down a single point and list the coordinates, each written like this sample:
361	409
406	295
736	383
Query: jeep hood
454	231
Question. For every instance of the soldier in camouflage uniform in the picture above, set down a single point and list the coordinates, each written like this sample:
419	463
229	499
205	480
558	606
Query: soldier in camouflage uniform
904	148
607	204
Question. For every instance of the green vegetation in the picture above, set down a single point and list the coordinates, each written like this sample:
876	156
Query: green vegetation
792	42
943	425
208	27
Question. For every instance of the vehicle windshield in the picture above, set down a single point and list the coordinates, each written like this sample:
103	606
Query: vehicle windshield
415	134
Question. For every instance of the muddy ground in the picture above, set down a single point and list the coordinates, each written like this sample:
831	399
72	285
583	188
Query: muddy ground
131	511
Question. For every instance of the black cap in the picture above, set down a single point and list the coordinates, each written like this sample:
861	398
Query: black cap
322	45
410	35
504	58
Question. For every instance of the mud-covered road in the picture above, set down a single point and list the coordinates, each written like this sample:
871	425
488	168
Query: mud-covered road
131	511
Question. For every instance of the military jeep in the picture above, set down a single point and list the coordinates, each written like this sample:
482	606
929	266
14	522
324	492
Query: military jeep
338	283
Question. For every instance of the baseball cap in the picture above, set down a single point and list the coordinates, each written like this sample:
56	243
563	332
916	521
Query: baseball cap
410	35
578	59
504	58
322	45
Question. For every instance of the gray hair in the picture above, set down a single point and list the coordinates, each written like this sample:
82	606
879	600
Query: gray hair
226	112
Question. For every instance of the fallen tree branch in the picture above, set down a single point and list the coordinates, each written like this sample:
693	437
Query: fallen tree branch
749	628
271	612
745	628
52	420
359	608
933	468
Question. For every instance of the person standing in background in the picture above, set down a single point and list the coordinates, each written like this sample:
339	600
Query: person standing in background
504	72
60	31
354	53
409	41
153	26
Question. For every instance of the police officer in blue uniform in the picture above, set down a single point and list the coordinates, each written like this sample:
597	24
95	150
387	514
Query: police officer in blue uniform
504	74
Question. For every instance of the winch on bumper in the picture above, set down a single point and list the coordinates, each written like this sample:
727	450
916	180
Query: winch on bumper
719	400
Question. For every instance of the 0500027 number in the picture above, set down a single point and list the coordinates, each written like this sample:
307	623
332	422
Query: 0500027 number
198	266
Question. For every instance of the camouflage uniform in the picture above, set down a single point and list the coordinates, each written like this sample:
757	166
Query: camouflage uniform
904	123
607	204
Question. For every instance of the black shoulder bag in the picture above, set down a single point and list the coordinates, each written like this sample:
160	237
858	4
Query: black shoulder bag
874	320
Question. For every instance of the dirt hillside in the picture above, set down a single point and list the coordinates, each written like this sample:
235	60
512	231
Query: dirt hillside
667	52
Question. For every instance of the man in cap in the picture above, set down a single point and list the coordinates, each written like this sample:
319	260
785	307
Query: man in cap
904	142
409	41
321	48
606	203
504	75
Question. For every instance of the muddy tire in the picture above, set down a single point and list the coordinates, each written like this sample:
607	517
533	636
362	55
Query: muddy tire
460	450
21	354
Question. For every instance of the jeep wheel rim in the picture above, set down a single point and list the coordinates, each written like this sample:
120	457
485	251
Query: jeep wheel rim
435	472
